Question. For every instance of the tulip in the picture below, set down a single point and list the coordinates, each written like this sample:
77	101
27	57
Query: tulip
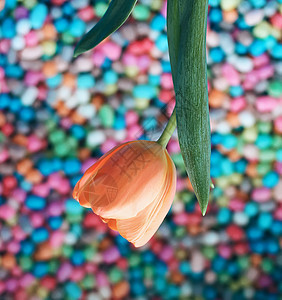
131	188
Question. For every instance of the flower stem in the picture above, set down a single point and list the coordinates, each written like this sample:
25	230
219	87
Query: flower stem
168	131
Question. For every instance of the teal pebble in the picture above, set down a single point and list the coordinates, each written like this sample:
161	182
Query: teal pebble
77	28
265	220
271	179
73	207
251	209
35	202
144	91
110	77
38	15
54	81
85	81
73	290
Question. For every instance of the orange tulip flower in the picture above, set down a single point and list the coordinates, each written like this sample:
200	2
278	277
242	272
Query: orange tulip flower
131	188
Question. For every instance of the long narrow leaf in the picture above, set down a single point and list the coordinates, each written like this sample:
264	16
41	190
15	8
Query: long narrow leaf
116	14
187	21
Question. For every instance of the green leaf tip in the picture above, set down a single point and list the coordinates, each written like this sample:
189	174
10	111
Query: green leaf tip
203	207
116	14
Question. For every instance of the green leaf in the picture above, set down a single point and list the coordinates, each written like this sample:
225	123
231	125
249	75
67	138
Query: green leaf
116	14
186	27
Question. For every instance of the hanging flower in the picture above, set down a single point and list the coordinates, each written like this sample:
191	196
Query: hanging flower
131	188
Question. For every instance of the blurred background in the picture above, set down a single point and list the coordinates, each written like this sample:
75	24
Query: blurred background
59	115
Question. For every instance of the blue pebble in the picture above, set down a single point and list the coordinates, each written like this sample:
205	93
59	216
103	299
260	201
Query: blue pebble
77	258
107	63
144	91
276	51
57	164
40	269
55	222
257	48
272	246
258	3
14	71
276	228
8	28
185	267
68	9
258	246
85	81
75	179
224	216
271	179
160	284
216	139
229	141
26	186
158	23
218	264
45	167
40	235
265	220
279	155
61	25
15	105
73	207
148	257
161	43
154	79
119	122
73	290
72	166
38	15
214	3
5	101
54	81
236	91
241	49
254	233
27	114
241	166
166	66
34	202
110	77
137	287
27	247
78	131
263	141
215	15
251	209
227	167
216	55
173	292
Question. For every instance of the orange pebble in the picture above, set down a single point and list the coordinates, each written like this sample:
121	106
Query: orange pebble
49	32
20	139
84	153
24	166
98	101
251	170
177	277
44	252
216	98
77	118
230	16
255	260
194	229
189	185
62	109
233	120
34	176
120	290
234	155
69	80
50	68
2	119
8	261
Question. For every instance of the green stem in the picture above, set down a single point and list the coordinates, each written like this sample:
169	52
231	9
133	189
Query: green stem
168	131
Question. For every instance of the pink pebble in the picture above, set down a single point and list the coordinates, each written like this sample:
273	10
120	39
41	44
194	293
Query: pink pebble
4	155
32	78
5	45
19	195
7	212
135	131
13	247
181	219
261	60
66	123
129	60
111	50
86	14
230	74
143	62
278	167
131	117
98	58
181	184
265	72
64	272
278	213
27	280
31	39
238	104
173	146
57	239
266	104
64	186
37	220
166	81
236	204
55	208
87	164
34	143
18	233
262	194
166	253
278	124
77	274
108	145
224	251
41	190
102	279
111	255
11	284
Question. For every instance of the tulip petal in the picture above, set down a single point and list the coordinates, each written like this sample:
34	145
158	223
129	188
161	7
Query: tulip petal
127	182
89	175
140	229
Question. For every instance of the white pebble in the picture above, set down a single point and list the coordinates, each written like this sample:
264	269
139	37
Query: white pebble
33	53
210	238
254	17
29	96
197	261
87	111
83	95
240	218
223	127
105	292
23	26
226	43
247	119
96	138
18	43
